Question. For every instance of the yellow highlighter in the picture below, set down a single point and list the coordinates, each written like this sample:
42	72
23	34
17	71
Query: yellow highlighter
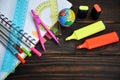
87	31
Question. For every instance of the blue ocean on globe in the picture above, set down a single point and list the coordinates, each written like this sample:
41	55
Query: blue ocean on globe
66	17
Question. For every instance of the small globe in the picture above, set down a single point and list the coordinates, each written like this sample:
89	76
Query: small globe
66	17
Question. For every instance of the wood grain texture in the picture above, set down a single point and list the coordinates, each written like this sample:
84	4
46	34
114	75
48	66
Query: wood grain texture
64	62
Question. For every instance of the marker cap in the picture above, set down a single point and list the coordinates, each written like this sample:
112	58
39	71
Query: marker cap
26	52
96	10
36	52
20	58
82	12
83	7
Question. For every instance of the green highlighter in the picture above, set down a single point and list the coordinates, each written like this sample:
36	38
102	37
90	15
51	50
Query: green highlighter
87	31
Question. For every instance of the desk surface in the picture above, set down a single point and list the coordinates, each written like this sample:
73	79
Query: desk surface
63	62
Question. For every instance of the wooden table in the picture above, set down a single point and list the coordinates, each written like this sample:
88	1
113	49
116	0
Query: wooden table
64	62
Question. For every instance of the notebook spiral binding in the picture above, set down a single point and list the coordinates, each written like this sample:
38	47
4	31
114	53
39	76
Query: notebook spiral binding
19	33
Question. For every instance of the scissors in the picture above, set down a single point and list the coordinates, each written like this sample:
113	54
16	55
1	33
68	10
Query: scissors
38	22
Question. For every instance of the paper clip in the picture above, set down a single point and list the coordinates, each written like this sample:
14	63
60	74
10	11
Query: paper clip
38	22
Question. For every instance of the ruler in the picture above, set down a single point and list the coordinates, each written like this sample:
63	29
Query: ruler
20	13
54	10
10	61
53	7
52	4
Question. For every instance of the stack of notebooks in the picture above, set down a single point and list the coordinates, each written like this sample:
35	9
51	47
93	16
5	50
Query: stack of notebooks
16	23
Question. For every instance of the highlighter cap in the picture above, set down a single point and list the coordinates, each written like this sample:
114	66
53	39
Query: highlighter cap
97	8
83	7
82	12
96	11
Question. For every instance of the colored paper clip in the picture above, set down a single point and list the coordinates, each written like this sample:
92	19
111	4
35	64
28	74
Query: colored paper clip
38	22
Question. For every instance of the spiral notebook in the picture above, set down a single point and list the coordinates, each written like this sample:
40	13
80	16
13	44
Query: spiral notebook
28	26
8	62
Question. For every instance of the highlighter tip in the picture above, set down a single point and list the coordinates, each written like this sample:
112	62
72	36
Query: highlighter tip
84	45
68	38
79	47
73	36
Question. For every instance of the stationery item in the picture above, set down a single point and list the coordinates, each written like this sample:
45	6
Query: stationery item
16	54
82	12
5	70
96	10
20	13
16	46
52	4
23	37
8	61
87	31
20	16
8	8
99	41
48	11
13	51
19	47
38	22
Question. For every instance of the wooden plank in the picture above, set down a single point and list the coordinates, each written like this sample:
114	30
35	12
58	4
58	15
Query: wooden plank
69	68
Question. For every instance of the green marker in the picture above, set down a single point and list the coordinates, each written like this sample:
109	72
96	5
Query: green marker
26	52
87	31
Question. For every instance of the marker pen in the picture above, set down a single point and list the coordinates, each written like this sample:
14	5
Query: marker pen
96	10
99	41
82	12
87	31
12	50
